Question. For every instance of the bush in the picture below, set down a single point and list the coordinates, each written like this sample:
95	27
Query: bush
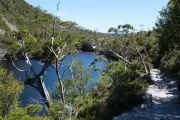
126	90
125	97
170	63
21	114
10	90
34	110
57	111
91	109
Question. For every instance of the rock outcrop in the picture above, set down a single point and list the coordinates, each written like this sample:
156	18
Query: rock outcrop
11	26
2	53
2	32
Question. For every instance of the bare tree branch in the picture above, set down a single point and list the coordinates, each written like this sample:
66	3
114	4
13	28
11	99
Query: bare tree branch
119	56
62	57
54	24
60	50
64	73
57	7
145	67
17	67
72	74
52	50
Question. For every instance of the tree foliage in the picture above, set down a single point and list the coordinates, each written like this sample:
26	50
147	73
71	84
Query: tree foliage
10	90
120	87
167	29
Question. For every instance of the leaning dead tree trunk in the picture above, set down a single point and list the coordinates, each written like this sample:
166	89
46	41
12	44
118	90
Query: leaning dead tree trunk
144	64
38	77
120	57
45	67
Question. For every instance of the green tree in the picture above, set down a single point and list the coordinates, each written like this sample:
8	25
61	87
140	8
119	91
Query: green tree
34	110
78	87
21	114
10	90
167	29
57	111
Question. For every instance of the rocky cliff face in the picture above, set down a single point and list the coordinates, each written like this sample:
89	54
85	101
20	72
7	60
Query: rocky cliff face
11	26
2	32
2	53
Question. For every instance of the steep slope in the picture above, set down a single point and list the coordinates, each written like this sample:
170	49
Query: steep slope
19	15
23	15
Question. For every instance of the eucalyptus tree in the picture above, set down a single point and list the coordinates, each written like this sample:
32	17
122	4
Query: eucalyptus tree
126	45
167	30
121	41
78	86
10	90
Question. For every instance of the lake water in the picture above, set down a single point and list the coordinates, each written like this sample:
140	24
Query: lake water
30	95
167	109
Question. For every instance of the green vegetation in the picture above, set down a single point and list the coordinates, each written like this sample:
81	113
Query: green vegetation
119	88
167	32
113	94
10	90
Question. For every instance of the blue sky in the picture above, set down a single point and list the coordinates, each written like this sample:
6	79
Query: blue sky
103	14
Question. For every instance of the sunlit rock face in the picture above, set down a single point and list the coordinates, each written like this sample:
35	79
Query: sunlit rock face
2	53
11	26
161	102
2	32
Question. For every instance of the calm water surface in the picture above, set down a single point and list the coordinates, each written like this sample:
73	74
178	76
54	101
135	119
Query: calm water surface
30	95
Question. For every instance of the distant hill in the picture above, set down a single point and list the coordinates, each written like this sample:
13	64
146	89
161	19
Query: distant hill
23	16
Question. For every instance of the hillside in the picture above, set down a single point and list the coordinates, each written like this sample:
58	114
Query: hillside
18	14
126	76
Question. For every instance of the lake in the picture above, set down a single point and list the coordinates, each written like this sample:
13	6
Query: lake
30	95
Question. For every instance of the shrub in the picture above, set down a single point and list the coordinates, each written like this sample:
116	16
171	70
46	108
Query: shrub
57	111
170	63
34	110
10	90
125	97
91	109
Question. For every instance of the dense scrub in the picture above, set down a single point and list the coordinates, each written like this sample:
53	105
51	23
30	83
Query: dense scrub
117	92
167	30
10	90
120	87
38	23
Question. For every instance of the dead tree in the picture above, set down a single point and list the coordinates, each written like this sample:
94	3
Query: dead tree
56	56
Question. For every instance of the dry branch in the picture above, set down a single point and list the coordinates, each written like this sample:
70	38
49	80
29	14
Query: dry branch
119	56
145	67
17	67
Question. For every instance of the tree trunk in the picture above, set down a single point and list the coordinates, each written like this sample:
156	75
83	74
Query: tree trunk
120	57
60	82
72	72
45	67
145	67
